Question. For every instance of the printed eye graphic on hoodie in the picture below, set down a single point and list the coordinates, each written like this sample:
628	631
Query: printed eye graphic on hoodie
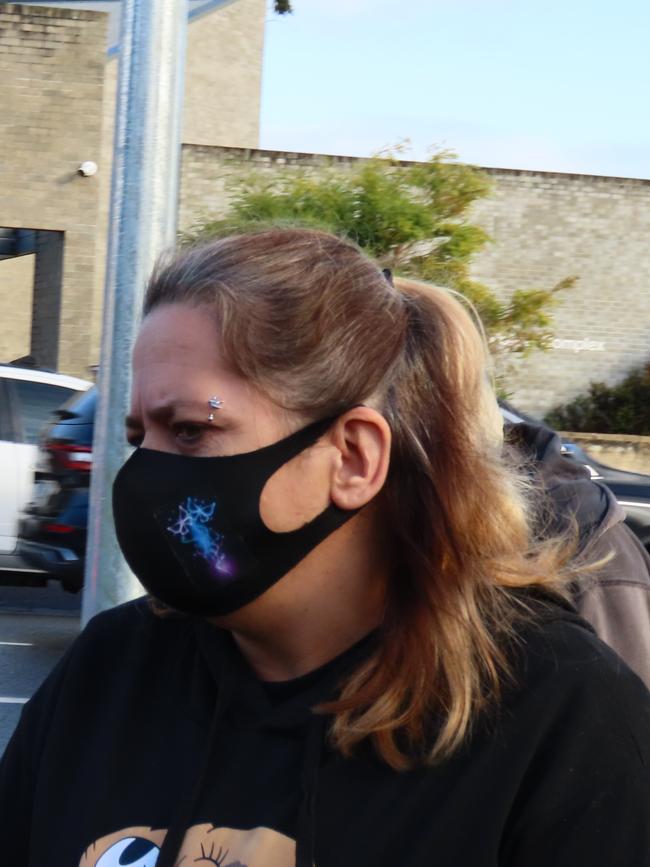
132	847
135	851
203	844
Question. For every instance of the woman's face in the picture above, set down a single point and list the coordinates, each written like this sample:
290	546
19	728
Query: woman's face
177	370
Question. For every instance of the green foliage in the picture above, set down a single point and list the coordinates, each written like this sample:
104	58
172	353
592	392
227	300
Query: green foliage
282	7
616	409
412	218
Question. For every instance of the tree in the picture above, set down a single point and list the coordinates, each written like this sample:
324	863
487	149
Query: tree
623	408
411	217
282	7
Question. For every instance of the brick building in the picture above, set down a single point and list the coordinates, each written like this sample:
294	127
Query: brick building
544	226
52	114
56	96
58	74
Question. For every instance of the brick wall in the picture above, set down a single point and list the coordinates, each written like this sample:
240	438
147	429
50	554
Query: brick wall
51	100
223	75
57	107
544	227
206	173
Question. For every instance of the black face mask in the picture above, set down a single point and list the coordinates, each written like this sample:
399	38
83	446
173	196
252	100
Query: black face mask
190	528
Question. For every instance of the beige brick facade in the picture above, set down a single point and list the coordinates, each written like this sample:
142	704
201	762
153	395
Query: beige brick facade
57	98
547	226
544	227
51	98
223	77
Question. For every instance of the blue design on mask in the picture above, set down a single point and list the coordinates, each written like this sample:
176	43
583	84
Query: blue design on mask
191	527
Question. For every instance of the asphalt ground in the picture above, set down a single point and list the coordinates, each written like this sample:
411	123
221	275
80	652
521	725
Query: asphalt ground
39	600
37	625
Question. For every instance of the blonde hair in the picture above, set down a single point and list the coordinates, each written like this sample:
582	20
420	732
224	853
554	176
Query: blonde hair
312	321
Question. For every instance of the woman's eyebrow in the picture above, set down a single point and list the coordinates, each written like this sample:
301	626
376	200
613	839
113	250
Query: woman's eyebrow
166	410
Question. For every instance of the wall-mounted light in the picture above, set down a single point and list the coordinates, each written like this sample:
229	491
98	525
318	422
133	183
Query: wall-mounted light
87	169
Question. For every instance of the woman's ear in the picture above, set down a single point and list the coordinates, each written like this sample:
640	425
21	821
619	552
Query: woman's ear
362	438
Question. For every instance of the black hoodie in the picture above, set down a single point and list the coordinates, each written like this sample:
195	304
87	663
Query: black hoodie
154	729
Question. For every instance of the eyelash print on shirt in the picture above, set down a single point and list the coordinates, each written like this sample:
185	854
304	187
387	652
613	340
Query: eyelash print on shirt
217	859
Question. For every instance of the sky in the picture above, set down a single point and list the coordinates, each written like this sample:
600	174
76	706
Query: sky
556	86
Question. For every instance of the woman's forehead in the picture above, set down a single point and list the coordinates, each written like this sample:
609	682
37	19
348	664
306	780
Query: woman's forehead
177	365
179	329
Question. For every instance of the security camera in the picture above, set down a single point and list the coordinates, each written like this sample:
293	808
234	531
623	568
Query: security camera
87	169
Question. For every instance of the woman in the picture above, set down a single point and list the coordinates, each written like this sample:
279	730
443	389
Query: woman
351	654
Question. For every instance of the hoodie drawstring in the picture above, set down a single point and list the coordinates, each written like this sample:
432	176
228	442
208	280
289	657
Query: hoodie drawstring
225	675
306	825
183	818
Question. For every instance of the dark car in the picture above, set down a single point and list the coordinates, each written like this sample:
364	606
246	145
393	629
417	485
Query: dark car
52	530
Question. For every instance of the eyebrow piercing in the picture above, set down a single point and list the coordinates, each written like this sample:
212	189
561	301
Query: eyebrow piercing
214	403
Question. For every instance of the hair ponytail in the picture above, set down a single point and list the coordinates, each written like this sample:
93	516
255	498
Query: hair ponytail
461	538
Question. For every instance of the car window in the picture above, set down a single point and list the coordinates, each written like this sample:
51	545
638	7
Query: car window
36	402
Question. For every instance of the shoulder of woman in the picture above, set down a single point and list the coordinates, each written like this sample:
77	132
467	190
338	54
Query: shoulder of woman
136	617
556	639
130	635
128	612
573	736
134	622
125	643
563	671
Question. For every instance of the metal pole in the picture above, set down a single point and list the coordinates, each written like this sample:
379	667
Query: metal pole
144	205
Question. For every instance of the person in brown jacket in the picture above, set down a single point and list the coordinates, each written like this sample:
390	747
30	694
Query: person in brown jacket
615	598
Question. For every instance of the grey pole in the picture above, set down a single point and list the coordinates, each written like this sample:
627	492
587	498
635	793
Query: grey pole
144	204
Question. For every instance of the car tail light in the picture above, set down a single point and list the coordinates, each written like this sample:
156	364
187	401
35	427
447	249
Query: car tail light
58	528
71	457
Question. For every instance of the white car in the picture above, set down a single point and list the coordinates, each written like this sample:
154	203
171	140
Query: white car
27	400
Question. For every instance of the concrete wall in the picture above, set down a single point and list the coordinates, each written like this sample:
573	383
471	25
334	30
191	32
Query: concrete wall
544	227
622	452
51	101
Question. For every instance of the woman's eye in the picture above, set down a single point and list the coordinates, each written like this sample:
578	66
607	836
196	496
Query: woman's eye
188	432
